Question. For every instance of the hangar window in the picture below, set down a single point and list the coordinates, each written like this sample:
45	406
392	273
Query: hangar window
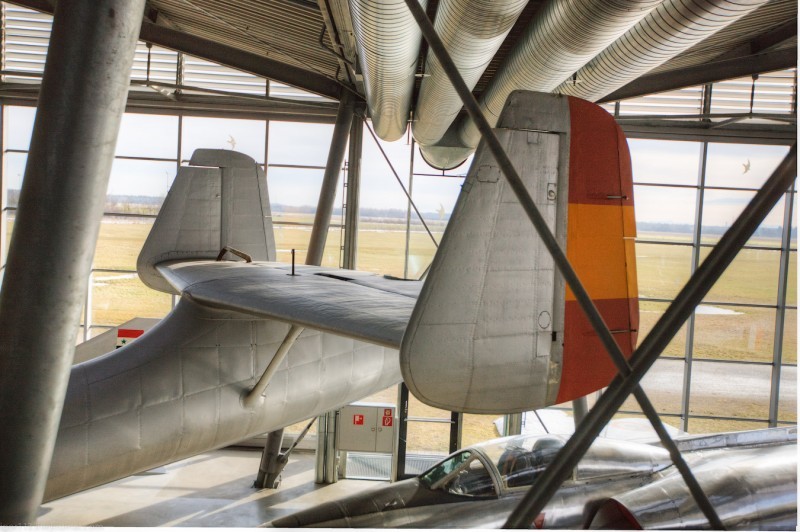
706	183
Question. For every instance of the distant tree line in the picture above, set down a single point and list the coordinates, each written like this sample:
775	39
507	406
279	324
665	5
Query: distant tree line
128	204
657	227
388	214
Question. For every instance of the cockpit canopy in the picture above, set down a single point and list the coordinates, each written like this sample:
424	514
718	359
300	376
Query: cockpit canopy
495	467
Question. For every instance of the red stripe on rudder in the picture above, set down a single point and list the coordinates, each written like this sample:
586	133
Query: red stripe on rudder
599	163
625	166
586	366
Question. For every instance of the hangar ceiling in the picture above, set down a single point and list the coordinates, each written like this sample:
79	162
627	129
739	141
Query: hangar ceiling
600	51
311	35
316	38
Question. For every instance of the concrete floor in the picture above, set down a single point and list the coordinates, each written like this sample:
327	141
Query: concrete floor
209	490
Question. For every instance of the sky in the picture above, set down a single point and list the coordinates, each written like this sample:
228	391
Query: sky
677	163
654	161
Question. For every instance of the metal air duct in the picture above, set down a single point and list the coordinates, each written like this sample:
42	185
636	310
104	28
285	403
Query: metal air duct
388	40
671	28
472	31
562	38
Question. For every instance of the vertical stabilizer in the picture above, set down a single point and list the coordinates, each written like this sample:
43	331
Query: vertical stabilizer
495	329
219	200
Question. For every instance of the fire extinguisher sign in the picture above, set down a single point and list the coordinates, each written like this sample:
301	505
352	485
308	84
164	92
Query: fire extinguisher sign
387	421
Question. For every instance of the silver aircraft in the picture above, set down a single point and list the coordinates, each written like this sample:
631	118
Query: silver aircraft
750	477
254	345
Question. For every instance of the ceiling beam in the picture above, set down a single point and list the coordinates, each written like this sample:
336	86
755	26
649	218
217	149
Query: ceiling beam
776	135
222	54
706	73
764	42
240	60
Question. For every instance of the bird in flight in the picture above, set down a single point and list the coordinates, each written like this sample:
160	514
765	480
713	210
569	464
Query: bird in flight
746	166
232	142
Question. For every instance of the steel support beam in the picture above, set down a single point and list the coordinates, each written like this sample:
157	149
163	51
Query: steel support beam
456	426
765	41
82	99
3	194
399	457
205	105
326	466
270	468
512	424
353	190
272	456
330	180
662	333
700	131
408	207
223	54
326	471
579	409
697	238
780	314
706	73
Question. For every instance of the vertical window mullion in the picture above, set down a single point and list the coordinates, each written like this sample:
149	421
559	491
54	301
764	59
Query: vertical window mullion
696	241
690	324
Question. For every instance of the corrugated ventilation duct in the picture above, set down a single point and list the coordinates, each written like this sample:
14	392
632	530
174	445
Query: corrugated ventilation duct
388	40
672	28
472	31
564	36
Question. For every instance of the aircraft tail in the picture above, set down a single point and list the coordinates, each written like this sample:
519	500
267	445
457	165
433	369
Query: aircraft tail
220	200
495	328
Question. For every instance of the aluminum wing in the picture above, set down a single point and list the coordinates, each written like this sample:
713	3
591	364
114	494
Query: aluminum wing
360	305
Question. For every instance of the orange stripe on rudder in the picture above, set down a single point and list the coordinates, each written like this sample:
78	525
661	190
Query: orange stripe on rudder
597	250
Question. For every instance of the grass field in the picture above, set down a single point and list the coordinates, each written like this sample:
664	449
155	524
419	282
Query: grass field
744	335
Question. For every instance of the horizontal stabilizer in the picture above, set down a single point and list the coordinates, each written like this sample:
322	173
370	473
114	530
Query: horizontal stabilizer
495	329
360	305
